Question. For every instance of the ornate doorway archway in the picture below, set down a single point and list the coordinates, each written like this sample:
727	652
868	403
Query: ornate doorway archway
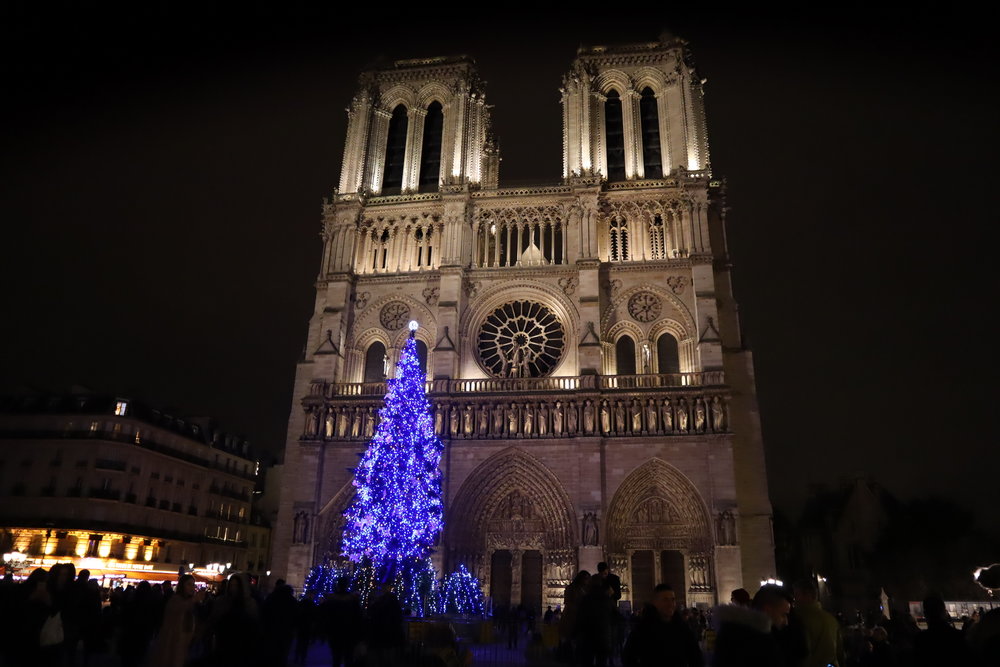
512	503
659	531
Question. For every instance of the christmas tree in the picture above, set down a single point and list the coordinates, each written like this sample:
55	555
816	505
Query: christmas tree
397	513
460	593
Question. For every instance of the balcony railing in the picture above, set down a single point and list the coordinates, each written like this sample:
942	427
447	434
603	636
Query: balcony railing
542	384
657	404
121	436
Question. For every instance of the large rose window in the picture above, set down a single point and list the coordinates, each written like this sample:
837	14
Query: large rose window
521	339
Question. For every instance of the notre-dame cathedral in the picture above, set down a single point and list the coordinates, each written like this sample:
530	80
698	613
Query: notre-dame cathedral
581	341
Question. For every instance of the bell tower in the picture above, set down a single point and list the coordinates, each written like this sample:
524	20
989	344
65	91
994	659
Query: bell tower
417	124
633	112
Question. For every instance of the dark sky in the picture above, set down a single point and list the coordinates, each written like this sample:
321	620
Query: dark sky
161	176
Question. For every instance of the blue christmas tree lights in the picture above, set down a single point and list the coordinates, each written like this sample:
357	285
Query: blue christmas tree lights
397	513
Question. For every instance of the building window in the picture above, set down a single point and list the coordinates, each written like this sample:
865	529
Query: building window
121	407
667	357
614	134
422	357
618	241
625	356
375	362
395	152
430	153
650	122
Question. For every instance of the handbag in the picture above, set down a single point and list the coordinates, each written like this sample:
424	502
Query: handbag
52	631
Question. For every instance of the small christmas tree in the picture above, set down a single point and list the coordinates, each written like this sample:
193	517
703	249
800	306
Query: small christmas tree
397	513
460	593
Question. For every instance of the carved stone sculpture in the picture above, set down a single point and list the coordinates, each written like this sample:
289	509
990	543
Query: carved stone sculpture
589	532
718	415
682	416
605	417
557	418
588	417
467	421
699	415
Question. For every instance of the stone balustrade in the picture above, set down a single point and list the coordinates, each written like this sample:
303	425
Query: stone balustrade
525	408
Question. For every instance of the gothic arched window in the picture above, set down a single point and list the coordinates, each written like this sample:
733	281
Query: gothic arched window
618	240
422	357
430	152
375	362
650	121
614	133
667	357
395	152
657	248
625	356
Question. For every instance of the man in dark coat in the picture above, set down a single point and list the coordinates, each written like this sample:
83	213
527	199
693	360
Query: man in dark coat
750	637
662	639
940	645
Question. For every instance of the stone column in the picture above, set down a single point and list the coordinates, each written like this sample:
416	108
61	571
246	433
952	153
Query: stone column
375	164
516	568
414	142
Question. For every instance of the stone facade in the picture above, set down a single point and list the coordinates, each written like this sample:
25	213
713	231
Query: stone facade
582	344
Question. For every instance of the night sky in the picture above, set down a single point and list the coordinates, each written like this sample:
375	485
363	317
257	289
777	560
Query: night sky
162	177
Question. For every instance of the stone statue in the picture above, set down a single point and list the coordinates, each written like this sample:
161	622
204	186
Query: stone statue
467	421
329	424
438	420
668	416
386	366
588	417
453	420
311	423
726	528
342	423
718	415
557	418
682	416
619	417
651	414
590	537
512	419
484	419
605	418
636	416
543	419
370	423
497	420
529	418
356	423
699	415
647	365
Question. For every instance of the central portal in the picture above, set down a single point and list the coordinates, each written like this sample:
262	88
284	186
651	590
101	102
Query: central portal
516	579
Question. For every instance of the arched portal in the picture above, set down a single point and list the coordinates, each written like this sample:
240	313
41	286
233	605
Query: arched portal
512	503
659	532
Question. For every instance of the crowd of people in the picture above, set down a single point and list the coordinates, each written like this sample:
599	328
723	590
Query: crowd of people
777	627
58	618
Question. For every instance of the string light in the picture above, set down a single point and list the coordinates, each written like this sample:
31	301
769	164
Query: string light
397	513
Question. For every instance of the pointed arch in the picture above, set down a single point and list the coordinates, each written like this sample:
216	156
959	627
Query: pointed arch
657	507
395	150
475	515
330	525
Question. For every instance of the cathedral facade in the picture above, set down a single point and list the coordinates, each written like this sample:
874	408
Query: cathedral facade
581	341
